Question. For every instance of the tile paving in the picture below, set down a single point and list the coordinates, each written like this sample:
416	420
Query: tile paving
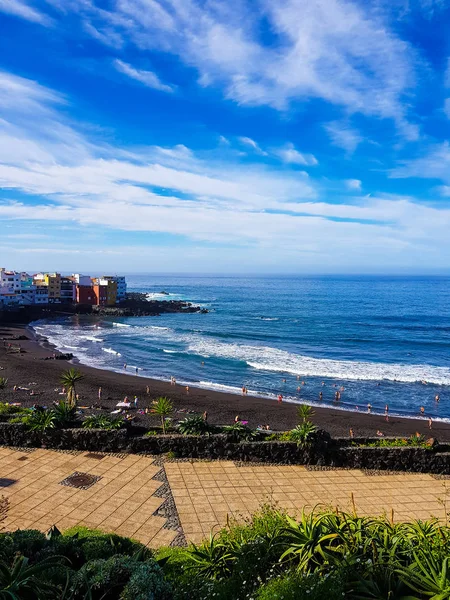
205	493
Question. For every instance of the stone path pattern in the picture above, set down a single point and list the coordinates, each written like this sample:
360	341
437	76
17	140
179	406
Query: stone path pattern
204	492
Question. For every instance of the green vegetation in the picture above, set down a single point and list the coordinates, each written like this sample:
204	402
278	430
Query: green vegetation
3	383
9	409
102	422
415	440
69	379
162	407
271	556
195	425
239	432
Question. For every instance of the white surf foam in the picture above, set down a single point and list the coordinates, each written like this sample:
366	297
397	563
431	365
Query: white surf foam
91	338
170	351
111	351
120	325
273	359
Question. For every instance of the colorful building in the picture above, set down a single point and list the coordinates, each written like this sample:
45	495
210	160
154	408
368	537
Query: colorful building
68	290
53	283
121	285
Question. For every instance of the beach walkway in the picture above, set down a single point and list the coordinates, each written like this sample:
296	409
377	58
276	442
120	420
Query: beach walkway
161	503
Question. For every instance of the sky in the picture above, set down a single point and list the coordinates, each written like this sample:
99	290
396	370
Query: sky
237	136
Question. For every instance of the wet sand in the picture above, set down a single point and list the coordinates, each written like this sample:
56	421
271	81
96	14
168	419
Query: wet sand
28	369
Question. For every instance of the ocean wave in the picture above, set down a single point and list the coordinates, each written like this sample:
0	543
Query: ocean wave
91	338
120	325
170	351
272	359
269	318
111	351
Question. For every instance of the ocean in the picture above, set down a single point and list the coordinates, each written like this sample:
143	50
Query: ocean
385	340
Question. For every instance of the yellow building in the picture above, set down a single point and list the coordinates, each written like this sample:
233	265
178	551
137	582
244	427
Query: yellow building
111	293
53	282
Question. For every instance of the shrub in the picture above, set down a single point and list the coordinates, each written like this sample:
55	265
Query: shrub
239	432
194	426
37	420
3	383
102	422
294	586
64	413
302	434
23	541
110	578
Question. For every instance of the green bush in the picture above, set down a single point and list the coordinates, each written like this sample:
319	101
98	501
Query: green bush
294	586
195	425
28	542
239	432
118	577
102	422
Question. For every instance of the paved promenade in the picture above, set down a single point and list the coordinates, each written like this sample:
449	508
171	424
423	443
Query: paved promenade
162	503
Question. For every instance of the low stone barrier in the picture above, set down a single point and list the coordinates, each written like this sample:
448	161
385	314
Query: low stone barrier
326	452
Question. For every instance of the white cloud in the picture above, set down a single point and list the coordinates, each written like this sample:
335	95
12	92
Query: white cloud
343	136
202	197
434	164
290	154
338	51
353	184
23	10
148	78
246	141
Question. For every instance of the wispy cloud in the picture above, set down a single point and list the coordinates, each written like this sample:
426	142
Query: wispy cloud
343	136
353	185
24	10
148	78
201	196
337	51
290	154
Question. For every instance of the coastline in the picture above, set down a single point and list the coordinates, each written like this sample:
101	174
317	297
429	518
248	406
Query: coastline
222	407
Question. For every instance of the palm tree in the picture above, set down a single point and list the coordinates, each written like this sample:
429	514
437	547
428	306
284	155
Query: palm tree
162	407
68	379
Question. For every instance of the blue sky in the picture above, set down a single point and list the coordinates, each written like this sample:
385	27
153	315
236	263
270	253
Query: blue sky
301	136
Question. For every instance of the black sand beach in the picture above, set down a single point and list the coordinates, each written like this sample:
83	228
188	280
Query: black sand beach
28	369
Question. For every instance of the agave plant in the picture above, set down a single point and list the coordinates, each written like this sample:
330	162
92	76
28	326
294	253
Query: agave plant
22	581
211	559
162	407
302	433
309	540
38	420
428	575
102	422
69	379
194	426
3	383
64	413
239	432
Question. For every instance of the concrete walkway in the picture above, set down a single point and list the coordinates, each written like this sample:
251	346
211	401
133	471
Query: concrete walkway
169	503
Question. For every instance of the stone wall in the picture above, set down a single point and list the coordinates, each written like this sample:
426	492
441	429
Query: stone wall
325	452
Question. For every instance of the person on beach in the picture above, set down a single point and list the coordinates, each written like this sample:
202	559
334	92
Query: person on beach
369	408
380	433
280	398
386	413
147	390
422	410
125	366
320	395
99	393
352	435
243	390
137	370
187	389
237	419
430	423
135	401
337	396
205	416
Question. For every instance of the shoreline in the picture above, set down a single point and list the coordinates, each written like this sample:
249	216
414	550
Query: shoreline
222	407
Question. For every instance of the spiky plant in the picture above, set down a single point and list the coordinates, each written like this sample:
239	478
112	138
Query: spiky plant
3	382
162	407
69	379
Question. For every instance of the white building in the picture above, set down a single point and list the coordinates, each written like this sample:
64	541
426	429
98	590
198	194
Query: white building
82	279
10	279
